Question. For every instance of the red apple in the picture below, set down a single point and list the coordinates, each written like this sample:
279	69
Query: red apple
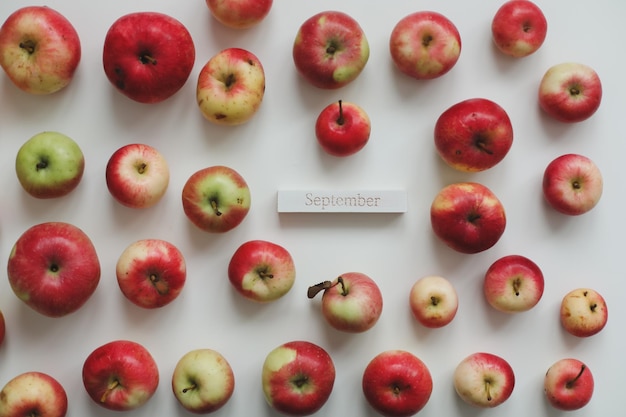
583	312
330	49
468	217
473	135
433	301
484	380
397	383
120	375
568	384
54	268
570	92
298	378
33	394
519	28
425	45
239	14
572	184
342	129
39	49
148	56
513	283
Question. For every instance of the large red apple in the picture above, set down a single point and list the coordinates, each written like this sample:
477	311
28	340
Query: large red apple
519	28
33	394
342	129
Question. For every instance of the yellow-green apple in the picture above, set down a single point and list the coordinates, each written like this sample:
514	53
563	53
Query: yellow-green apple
397	383
53	268
568	384
203	381
468	217
433	301
3	328
216	199
297	378
231	87
570	92
583	312
120	375
425	45
239	14
330	49
151	273
49	165
261	271
137	175
519	28
572	184
33	393
39	49
513	284
484	380
342	128
148	56
473	135
351	302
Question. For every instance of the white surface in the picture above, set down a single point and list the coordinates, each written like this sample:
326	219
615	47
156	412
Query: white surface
277	150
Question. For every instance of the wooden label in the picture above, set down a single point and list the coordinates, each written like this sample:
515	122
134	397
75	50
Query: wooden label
342	201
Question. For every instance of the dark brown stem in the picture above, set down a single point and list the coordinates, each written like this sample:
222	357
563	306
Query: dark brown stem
215	208
516	285
29	46
340	119
192	387
571	382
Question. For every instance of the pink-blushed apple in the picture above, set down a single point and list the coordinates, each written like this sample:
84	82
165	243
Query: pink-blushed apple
568	384
53	268
572	184
484	380
239	14
473	135
3	328
468	217
584	312
120	375
148	56
33	393
262	271
513	283
396	383
570	92
351	302
216	199
151	273
330	49
39	49
137	175
433	301
425	45
342	128
297	378
519	28
203	381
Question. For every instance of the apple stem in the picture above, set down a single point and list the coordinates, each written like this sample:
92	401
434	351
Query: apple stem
146	58
434	300
344	290
29	46
479	141
192	387
340	119
571	382
142	168
487	388
426	40
215	208
574	90
264	274
516	285
114	384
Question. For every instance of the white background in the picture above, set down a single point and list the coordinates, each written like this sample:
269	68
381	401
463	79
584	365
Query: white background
277	149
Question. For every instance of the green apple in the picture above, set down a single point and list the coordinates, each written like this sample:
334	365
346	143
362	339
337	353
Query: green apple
49	165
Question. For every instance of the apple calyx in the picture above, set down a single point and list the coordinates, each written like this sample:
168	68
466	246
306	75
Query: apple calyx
314	289
29	46
42	164
147	58
113	385
570	384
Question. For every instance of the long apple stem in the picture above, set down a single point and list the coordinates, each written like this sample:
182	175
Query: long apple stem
114	384
571	382
340	119
192	387
215	209
480	143
29	46
344	290
516	285
488	389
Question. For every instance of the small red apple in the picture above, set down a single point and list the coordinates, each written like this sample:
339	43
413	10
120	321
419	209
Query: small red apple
484	380
519	28
342	129
239	14
433	301
33	394
568	384
584	312
513	283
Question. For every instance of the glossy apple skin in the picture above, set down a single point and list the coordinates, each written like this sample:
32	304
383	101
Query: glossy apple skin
342	128
33	394
330	50
231	87
572	184
151	273
513	284
473	135
203	381
239	14
468	217
262	271
568	384
39	49
570	92
425	45
148	56
519	28
137	175
584	312
298	378
479	371
53	268
433	301
216	199
397	383
120	375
